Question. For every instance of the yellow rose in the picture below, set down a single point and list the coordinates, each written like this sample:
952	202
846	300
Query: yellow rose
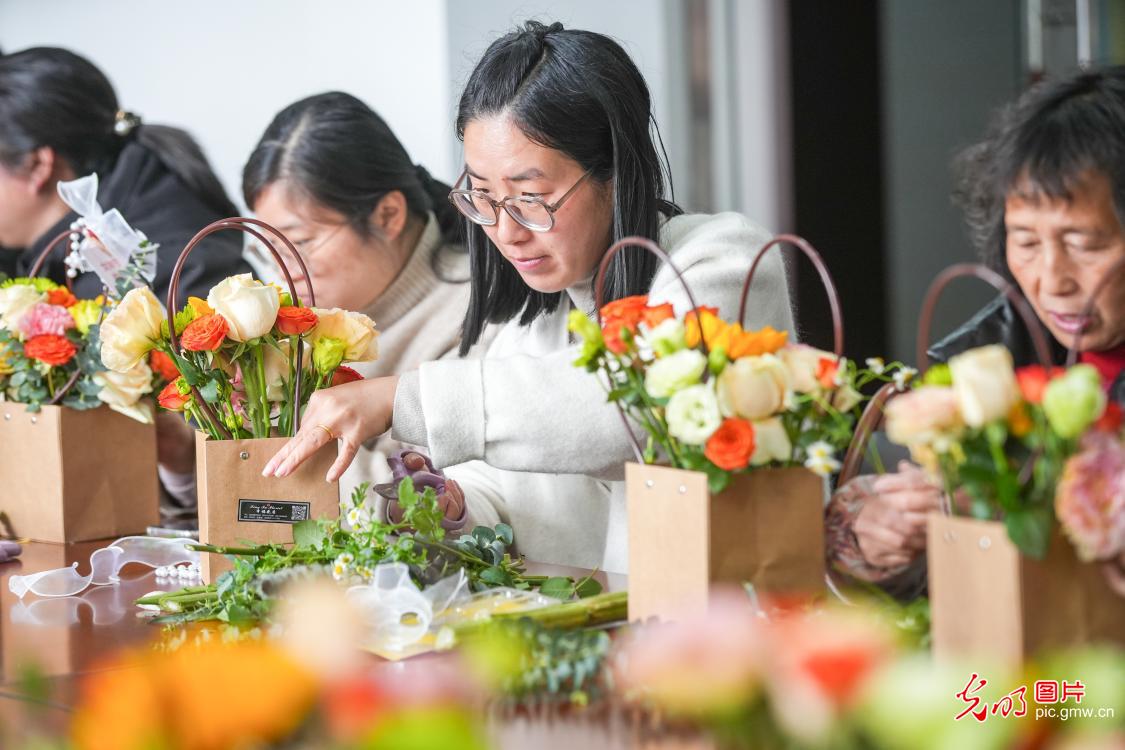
985	383
122	391
804	366
771	442
131	330
754	387
16	300
248	306
356	330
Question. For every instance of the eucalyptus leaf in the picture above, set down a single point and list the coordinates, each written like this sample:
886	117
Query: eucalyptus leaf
558	587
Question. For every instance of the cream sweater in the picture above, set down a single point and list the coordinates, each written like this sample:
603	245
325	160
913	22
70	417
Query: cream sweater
532	439
419	319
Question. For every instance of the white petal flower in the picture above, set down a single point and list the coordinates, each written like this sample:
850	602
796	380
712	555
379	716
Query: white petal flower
876	365
904	376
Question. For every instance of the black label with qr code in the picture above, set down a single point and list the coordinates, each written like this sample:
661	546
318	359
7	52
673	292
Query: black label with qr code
272	511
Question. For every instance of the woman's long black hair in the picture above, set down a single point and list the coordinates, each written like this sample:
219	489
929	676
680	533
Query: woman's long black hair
339	153
1045	142
580	93
53	97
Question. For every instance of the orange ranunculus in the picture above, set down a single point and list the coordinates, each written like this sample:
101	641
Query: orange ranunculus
50	349
293	320
200	307
630	309
654	316
1111	418
205	334
171	399
826	370
163	365
754	343
345	375
708	319
731	446
1019	421
61	297
1033	381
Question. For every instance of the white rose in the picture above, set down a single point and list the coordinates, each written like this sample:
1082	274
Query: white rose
122	391
985	383
15	301
276	366
356	330
693	414
922	416
754	387
771	442
248	306
675	372
667	337
131	329
804	363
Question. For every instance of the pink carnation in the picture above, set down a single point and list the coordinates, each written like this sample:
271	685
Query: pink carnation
46	319
1090	498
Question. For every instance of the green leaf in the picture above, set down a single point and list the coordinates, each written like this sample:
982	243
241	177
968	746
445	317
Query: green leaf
484	536
495	576
587	587
1030	530
210	392
558	587
505	534
308	533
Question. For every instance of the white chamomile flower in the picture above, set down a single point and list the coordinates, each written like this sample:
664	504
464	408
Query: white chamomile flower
821	459
876	365
904	376
353	517
340	566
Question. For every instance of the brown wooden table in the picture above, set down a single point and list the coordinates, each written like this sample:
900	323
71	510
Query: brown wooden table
63	639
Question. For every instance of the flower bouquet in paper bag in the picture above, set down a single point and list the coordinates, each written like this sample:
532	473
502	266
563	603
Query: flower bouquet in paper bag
748	424
248	358
1034	458
53	387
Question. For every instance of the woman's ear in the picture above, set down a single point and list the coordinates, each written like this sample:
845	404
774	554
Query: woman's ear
390	215
45	168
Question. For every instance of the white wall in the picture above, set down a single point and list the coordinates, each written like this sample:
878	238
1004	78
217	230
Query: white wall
222	70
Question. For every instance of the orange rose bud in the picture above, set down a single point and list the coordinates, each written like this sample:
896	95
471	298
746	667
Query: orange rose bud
826	372
171	399
1033	381
731	446
293	320
61	297
205	334
163	365
50	349
654	316
345	375
630	309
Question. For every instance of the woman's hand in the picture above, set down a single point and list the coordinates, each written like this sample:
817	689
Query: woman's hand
351	414
891	526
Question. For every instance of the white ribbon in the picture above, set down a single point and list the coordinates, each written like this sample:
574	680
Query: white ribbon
109	242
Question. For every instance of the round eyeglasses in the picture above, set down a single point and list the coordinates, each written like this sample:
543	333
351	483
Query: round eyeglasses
528	211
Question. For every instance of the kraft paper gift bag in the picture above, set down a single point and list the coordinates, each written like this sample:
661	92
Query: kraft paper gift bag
987	599
238	506
69	475
766	529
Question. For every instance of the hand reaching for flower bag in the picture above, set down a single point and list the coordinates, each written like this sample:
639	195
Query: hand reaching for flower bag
891	526
351	414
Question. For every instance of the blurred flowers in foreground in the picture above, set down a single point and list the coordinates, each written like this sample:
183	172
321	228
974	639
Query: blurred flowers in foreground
841	678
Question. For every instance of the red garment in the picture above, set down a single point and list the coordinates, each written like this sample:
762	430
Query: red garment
1108	363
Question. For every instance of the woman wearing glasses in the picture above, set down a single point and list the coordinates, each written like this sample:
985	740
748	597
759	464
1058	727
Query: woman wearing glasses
560	163
376	232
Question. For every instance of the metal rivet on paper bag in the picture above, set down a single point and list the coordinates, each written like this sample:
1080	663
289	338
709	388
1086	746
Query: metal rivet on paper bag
7	417
985	542
683	489
35	420
649	483
244	455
